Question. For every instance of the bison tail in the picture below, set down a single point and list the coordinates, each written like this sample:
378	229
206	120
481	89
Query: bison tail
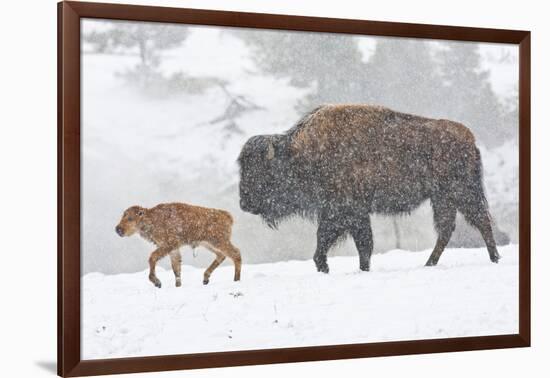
478	179
473	202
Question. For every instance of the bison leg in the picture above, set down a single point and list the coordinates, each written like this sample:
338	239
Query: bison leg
444	222
362	236
328	232
153	259
481	220
175	259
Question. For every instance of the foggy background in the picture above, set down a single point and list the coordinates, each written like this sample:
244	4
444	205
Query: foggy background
166	109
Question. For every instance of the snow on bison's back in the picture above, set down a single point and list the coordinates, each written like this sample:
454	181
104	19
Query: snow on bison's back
340	163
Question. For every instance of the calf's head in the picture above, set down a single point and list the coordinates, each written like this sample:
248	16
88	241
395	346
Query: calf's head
266	183
129	223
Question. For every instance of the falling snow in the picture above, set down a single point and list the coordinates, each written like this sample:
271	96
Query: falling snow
165	121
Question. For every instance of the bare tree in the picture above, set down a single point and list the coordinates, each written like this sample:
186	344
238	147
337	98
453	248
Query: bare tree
237	105
148	38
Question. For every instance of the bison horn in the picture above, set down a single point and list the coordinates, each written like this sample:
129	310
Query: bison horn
270	150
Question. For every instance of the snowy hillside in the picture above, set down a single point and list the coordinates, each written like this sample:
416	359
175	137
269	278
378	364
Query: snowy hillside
289	304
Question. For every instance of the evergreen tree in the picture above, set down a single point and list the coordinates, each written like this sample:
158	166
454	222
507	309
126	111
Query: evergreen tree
468	97
148	40
403	76
511	116
329	64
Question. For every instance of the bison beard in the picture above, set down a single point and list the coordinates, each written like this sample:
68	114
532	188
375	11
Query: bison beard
341	163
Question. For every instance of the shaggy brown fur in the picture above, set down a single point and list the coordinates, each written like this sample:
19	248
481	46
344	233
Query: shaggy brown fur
380	148
171	226
341	163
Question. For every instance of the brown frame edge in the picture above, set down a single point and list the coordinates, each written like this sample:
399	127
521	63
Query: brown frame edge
290	355
69	362
68	175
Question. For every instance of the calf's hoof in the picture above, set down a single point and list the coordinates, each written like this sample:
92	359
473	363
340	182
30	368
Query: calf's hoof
178	283
155	281
495	258
205	281
364	268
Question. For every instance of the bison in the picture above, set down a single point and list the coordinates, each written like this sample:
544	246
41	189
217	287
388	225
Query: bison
171	226
341	163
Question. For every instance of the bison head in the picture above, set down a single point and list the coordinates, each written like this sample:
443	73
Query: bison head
267	185
128	225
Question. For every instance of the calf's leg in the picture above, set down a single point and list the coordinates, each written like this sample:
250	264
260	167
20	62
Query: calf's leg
214	265
235	255
175	259
227	249
237	261
153	259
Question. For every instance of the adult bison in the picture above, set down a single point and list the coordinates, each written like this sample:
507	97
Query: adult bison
341	163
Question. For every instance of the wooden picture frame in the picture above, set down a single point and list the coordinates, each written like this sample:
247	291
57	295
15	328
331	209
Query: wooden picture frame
69	185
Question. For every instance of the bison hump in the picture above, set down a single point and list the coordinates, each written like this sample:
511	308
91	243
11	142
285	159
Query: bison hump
344	129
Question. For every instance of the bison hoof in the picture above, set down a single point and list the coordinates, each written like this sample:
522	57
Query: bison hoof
431	263
495	259
321	263
364	268
323	268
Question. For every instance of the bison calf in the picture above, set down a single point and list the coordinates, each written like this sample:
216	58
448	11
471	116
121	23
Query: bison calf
171	226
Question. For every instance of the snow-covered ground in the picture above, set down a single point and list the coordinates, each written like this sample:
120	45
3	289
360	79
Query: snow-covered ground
289	304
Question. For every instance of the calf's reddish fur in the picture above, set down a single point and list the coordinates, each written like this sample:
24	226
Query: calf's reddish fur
171	226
